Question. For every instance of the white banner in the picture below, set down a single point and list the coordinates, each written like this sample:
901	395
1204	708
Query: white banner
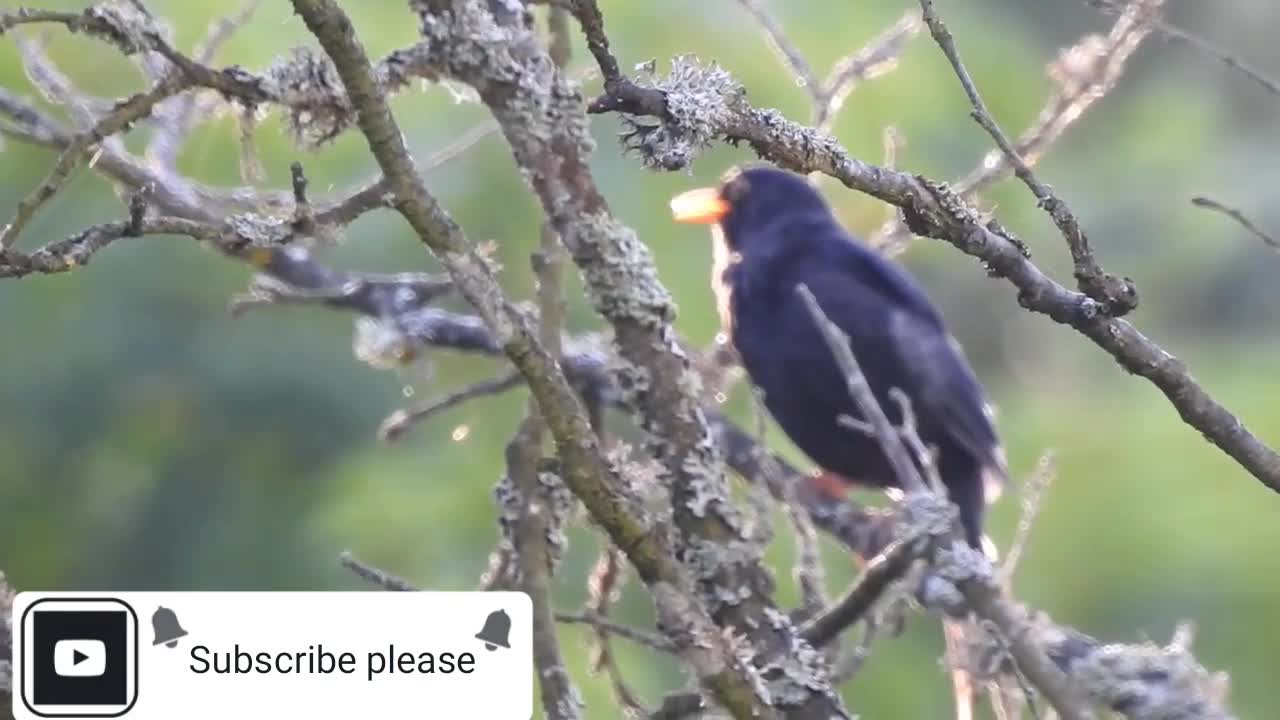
250	655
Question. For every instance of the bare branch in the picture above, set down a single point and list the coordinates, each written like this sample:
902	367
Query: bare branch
828	96
586	472
643	637
894	449
177	116
880	572
781	44
55	86
1178	35
399	422
124	114
604	584
381	578
536	521
808	571
1032	497
304	83
1117	295
1211	204
933	209
1082	75
877	58
544	122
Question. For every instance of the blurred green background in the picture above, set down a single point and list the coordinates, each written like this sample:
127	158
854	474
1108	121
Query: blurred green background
150	441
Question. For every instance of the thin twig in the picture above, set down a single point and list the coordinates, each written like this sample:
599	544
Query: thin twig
880	572
177	116
1178	35
828	96
399	422
876	58
838	342
1032	497
760	528
1211	204
1083	74
530	537
381	578
808	571
125	114
643	637
1117	295
983	594
782	44
851	660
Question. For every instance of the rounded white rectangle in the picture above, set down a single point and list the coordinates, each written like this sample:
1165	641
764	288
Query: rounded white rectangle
273	654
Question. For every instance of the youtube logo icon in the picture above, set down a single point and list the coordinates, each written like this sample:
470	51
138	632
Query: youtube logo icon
79	658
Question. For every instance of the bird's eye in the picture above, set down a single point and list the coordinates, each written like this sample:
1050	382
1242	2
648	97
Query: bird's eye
735	188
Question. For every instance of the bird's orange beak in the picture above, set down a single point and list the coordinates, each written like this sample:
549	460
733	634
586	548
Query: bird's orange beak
704	205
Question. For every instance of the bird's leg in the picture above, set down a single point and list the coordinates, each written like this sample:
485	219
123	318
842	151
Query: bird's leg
836	487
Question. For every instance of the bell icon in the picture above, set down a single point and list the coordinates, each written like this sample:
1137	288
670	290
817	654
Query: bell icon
496	628
165	623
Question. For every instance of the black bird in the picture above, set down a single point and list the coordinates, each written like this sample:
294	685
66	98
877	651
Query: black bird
774	232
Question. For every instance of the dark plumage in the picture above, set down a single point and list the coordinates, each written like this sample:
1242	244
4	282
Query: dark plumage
774	232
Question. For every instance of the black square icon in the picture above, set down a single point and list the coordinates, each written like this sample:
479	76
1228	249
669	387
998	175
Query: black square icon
79	657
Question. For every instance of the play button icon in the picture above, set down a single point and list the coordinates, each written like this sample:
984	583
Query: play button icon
80	658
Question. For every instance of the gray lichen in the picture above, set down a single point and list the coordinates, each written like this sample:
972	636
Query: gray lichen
633	381
700	101
503	60
1147	682
307	83
556	505
926	514
126	25
561	504
725	572
511	509
621	278
794	676
961	563
261	230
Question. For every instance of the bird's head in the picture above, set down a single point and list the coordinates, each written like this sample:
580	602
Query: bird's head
749	202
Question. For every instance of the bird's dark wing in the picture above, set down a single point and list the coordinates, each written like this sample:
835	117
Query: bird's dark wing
899	339
946	390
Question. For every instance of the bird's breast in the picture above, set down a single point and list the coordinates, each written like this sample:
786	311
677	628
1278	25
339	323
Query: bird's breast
723	260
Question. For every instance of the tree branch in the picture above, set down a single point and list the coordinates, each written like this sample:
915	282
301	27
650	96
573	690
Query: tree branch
124	115
544	121
1244	221
648	639
880	572
935	210
586	472
1117	295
